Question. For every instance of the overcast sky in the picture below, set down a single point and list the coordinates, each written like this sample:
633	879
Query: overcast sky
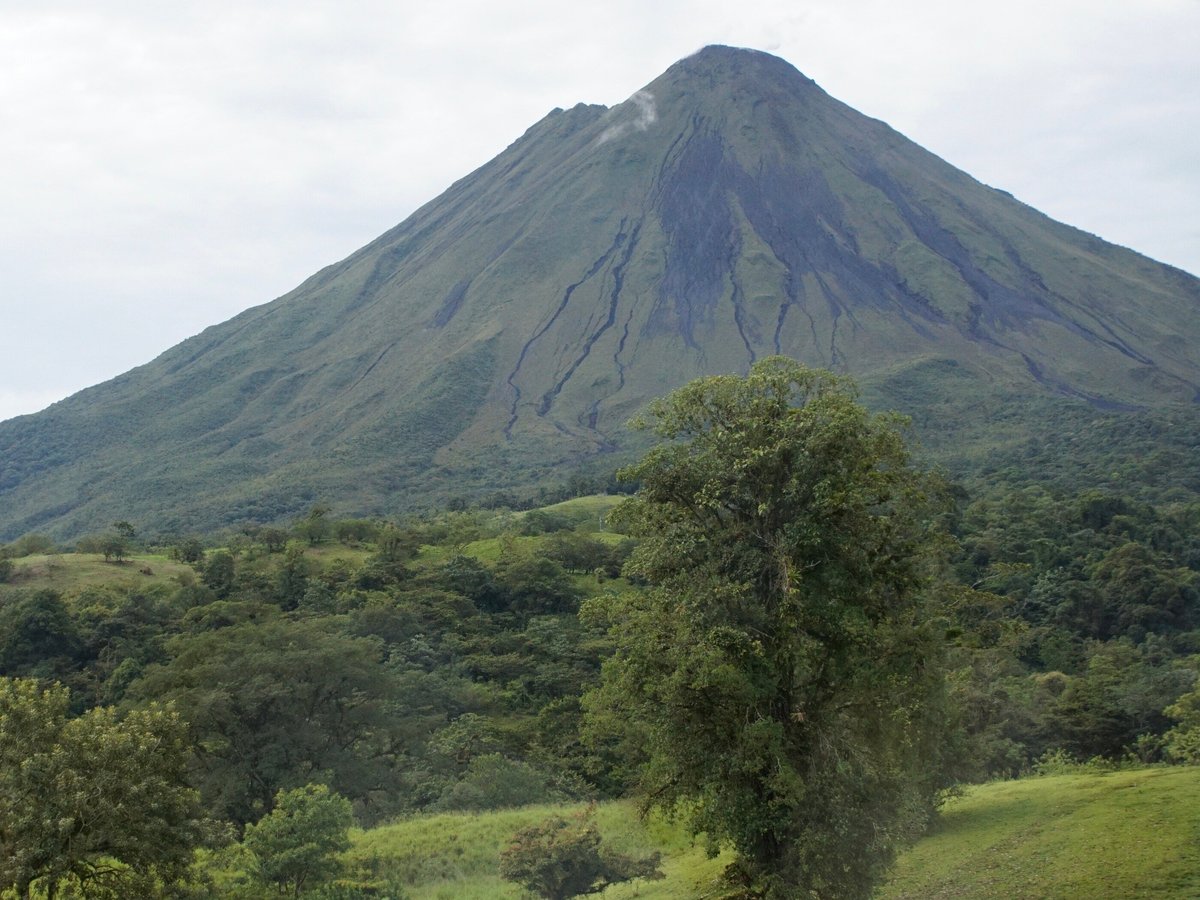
165	165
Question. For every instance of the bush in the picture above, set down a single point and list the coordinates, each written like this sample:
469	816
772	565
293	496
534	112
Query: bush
493	781
1182	743
539	521
31	545
561	858
298	842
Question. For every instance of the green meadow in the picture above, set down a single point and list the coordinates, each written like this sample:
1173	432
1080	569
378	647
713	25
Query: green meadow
1127	833
454	856
74	571
1119	834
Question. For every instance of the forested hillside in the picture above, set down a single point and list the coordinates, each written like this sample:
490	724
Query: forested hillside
450	662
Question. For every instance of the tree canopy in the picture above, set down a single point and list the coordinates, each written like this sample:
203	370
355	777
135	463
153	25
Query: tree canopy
296	844
782	674
275	703
99	802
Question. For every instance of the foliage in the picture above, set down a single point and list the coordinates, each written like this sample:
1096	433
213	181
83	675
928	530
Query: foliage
560	858
1183	740
1120	693
783	666
218	574
113	546
125	529
580	553
297	843
274	704
314	527
492	781
274	539
29	545
291	581
1096	603
96	801
538	521
532	585
38	636
189	550
464	663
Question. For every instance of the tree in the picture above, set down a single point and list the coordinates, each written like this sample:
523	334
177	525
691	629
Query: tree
296	844
95	801
275	704
274	539
534	585
189	550
31	544
314	527
1183	741
37	635
493	781
560	858
114	546
782	673
125	529
577	552
219	574
291	581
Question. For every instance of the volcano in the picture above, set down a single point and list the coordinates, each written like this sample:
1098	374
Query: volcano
504	333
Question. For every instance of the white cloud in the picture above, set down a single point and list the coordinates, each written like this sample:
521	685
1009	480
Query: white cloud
637	113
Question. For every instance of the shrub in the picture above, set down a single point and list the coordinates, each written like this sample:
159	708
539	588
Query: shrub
493	781
560	858
298	842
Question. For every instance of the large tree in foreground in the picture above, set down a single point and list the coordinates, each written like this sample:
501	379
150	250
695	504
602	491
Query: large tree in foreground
96	804
782	675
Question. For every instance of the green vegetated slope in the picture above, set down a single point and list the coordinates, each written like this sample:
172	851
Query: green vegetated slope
1128	833
75	571
990	437
449	649
503	334
456	856
432	668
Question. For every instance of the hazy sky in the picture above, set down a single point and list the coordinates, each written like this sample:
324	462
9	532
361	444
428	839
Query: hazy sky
165	165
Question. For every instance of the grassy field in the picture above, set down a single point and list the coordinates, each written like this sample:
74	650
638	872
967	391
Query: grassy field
333	552
455	856
71	571
1092	835
591	506
1125	834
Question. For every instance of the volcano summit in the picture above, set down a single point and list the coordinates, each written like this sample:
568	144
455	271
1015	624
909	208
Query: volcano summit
504	332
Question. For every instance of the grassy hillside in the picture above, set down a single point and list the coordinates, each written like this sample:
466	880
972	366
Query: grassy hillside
456	855
1119	834
1116	834
74	571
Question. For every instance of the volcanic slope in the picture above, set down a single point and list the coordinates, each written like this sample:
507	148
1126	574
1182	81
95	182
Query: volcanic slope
505	331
